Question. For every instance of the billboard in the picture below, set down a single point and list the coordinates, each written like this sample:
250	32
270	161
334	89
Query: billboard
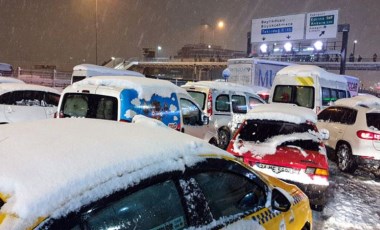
322	24
290	27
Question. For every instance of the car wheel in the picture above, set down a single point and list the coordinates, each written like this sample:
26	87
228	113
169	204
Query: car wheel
224	138
346	162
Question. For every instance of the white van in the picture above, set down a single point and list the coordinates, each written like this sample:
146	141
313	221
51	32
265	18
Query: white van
26	102
83	71
308	86
220	101
120	98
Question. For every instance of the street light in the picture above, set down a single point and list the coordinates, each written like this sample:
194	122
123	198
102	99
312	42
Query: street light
288	47
353	50
96	32
318	45
159	48
205	26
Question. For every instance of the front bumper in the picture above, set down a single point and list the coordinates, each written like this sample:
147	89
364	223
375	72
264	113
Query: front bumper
315	193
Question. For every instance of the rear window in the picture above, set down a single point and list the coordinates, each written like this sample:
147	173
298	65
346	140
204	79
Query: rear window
299	95
89	106
373	120
260	130
199	97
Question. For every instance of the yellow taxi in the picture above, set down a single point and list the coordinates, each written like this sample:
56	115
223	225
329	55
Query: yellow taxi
98	174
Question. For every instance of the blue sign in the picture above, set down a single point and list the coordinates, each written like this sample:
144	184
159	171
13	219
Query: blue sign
277	30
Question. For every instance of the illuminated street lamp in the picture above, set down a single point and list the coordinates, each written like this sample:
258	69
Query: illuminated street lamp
159	48
288	47
205	26
353	50
318	45
264	48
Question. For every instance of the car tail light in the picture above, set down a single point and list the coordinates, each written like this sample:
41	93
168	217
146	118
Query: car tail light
367	135
317	171
209	103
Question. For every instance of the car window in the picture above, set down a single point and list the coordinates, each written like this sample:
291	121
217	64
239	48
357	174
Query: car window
326	96
253	102
229	194
304	96
6	98
332	114
199	97
373	121
155	207
349	116
222	103
261	130
51	99
89	106
190	112
299	95
282	93
239	104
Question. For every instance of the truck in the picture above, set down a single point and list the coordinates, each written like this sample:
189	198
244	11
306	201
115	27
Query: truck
353	85
253	71
83	71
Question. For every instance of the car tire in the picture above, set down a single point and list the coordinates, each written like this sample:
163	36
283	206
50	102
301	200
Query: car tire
345	160
224	138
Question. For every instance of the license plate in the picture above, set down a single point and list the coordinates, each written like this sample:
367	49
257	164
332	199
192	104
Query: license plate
278	169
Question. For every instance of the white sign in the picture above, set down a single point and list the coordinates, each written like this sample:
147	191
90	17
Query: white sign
290	27
321	25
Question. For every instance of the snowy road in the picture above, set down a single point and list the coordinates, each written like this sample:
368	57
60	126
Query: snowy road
353	202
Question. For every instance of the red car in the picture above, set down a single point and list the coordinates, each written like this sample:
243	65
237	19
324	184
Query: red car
283	141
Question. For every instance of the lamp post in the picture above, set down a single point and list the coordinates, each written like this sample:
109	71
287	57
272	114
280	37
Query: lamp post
353	49
159	48
96	32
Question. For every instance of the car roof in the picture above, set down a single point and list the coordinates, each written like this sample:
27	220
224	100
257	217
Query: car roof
4	88
282	112
307	70
222	86
145	87
366	101
48	165
10	80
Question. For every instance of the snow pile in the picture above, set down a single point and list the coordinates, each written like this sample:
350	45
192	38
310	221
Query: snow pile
361	100
141	119
225	86
145	87
310	70
49	173
96	70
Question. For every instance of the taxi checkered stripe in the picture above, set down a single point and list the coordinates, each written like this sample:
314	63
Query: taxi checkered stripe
265	216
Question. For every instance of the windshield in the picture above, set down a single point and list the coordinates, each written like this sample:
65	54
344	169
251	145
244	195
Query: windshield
89	106
299	95
373	121
199	98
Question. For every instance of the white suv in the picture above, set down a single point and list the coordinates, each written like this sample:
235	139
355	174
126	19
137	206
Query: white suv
220	101
354	128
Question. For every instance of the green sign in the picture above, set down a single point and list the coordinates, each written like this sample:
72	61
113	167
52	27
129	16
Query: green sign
322	20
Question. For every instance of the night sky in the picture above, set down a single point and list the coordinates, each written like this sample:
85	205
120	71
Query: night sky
62	32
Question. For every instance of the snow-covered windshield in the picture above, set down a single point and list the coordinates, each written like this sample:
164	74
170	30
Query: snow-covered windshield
261	130
89	106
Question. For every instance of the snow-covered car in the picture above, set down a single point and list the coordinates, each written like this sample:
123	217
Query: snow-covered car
9	80
283	141
26	102
354	129
99	174
220	101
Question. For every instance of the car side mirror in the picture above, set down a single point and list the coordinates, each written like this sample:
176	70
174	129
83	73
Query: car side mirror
205	119
280	200
325	134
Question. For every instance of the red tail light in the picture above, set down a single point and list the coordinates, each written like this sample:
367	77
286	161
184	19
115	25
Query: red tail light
209	103
367	135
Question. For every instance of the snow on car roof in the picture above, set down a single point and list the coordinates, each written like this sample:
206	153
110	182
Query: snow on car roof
22	86
361	100
46	166
307	70
282	112
145	87
224	86
10	80
106	70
